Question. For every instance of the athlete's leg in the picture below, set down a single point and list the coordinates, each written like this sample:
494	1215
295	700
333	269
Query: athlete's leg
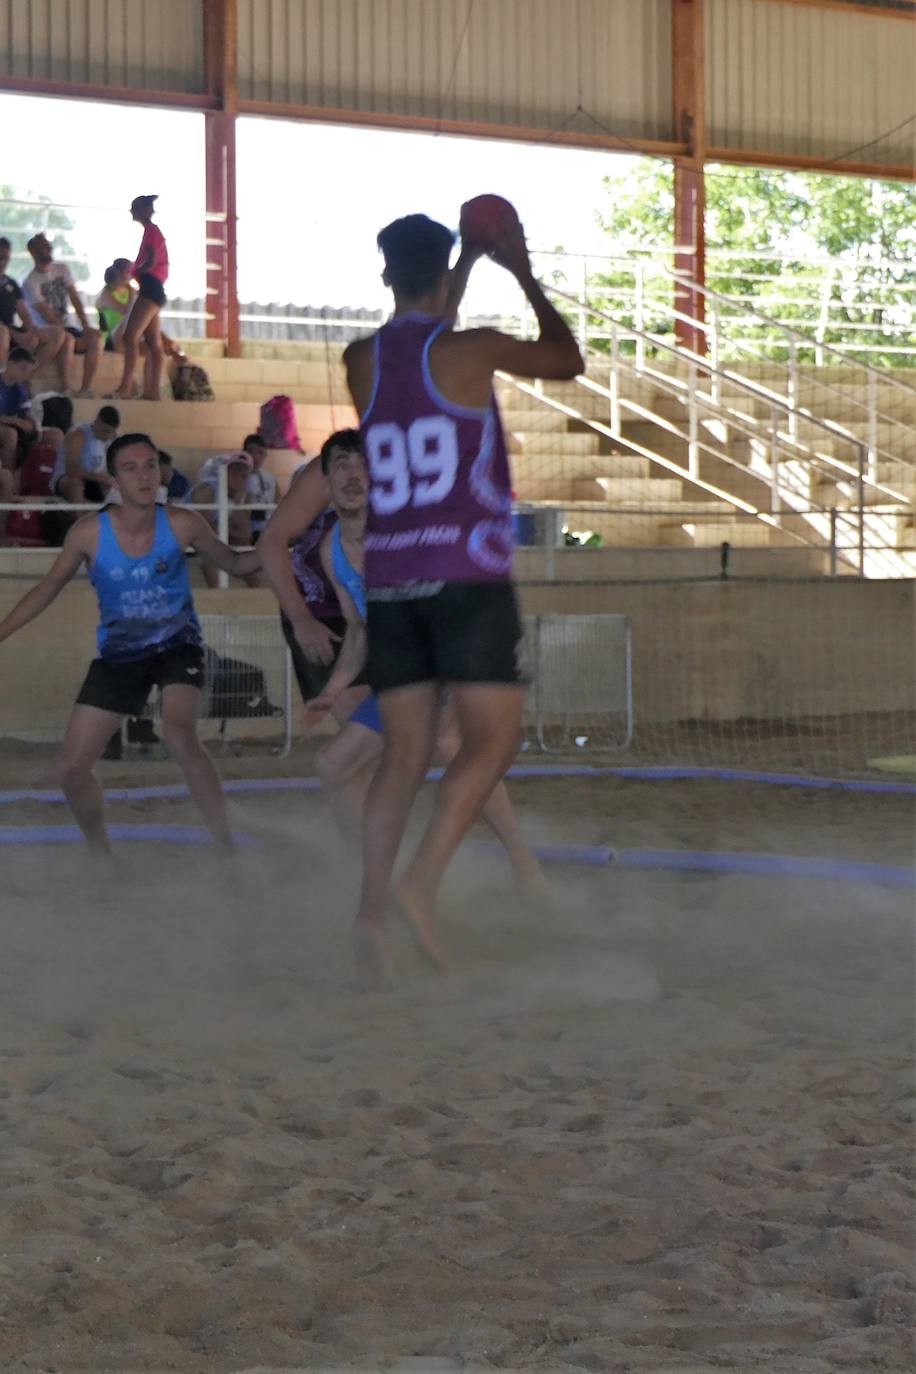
5	337
142	311
409	716
50	342
345	767
488	717
88	731
152	362
498	813
64	359
90	345
180	713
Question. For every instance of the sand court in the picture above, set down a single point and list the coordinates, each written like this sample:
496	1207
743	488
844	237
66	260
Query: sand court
665	1125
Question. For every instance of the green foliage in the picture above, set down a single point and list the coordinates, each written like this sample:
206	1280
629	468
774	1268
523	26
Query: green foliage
18	222
866	228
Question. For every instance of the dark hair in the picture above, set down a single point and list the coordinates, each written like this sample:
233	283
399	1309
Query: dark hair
109	416
122	442
416	251
112	274
5	243
144	200
57	413
341	438
165	458
34	239
20	355
254	439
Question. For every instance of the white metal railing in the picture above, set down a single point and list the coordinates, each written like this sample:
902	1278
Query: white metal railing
780	455
890	439
823	295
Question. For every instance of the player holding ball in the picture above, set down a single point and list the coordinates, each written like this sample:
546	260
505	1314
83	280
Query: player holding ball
441	608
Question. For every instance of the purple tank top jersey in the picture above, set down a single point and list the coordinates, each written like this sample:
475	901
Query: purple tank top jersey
440	504
305	554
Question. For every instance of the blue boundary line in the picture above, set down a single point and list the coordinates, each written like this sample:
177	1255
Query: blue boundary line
176	791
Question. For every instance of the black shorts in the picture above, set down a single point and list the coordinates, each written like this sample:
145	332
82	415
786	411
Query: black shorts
151	288
124	687
467	632
313	677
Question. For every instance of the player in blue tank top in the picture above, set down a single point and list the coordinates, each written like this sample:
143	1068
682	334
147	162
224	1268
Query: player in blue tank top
347	764
148	636
441	606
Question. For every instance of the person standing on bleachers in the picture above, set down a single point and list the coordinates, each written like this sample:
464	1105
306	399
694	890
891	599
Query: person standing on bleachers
151	271
50	291
46	342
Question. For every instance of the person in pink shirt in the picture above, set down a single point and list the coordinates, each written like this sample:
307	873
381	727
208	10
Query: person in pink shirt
150	272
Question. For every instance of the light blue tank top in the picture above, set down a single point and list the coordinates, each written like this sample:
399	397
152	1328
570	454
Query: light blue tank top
351	581
145	604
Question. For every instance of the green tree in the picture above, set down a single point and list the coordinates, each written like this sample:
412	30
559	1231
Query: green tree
22	214
866	228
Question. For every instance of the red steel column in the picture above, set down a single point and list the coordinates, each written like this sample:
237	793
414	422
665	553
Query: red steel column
687	61
221	67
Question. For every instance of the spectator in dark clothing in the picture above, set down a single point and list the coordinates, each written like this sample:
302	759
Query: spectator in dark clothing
176	484
17	325
17	428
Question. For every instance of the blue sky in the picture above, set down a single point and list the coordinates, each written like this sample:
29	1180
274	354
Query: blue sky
307	233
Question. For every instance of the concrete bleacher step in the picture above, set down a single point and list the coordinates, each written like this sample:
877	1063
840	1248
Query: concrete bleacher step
548	446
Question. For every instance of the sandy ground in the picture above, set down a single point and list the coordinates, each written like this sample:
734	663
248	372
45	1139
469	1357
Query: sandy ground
665	1126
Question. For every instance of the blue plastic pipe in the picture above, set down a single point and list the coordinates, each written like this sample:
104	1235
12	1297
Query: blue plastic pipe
155	834
176	791
703	861
755	865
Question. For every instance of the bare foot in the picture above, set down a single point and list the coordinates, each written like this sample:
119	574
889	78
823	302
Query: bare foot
374	967
417	908
532	885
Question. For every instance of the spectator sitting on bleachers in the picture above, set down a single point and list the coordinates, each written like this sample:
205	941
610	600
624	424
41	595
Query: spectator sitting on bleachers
205	492
81	473
261	485
33	479
17	428
175	483
114	305
46	342
50	291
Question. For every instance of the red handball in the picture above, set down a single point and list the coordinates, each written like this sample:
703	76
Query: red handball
486	220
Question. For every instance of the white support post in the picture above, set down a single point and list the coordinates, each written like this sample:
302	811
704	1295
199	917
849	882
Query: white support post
639	314
693	422
222	515
775	503
583	305
833	531
793	388
614	382
824	313
860	502
713	337
872	392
